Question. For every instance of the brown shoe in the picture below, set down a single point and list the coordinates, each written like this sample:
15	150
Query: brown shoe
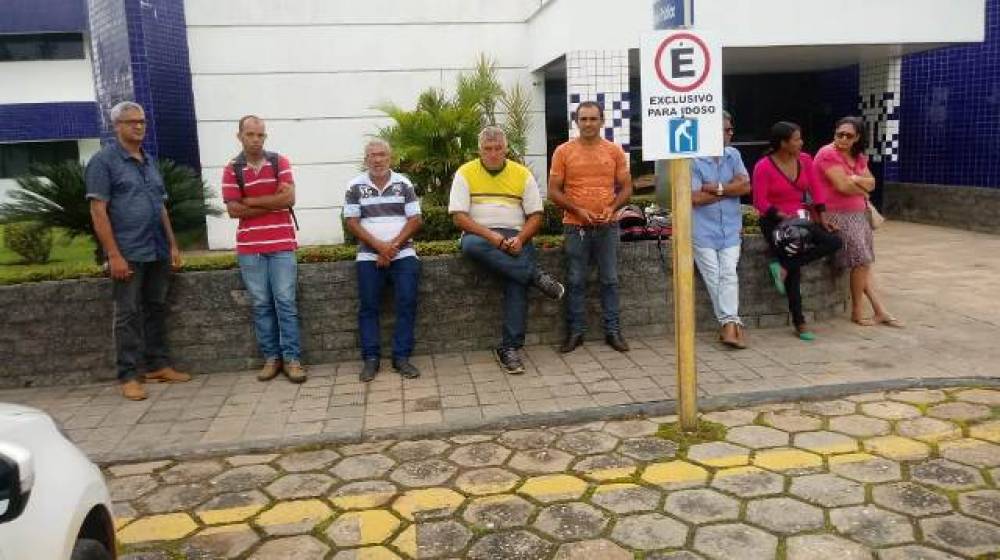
272	367
295	372
741	338
167	375
729	336
133	390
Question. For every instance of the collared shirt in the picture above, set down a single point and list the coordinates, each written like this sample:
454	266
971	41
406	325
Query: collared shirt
135	194
717	225
496	200
382	212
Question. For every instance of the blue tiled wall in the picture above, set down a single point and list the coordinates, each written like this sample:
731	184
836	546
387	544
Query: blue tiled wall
42	16
25	122
111	58
950	124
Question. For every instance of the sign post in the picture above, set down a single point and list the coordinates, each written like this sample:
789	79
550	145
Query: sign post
682	119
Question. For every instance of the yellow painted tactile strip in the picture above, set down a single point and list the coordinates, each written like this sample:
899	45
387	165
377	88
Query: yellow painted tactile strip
169	527
427	500
674	474
228	515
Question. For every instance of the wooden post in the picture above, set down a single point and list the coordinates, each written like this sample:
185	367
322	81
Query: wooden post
687	384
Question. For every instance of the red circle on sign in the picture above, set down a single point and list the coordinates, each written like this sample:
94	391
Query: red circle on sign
704	50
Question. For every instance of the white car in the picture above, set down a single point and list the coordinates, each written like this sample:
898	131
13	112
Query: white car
54	504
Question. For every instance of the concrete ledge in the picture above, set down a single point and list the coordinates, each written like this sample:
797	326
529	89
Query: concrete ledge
969	208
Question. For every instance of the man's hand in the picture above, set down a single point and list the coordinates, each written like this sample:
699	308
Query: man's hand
710	188
382	261
606	216
512	246
585	216
827	225
387	250
119	268
176	262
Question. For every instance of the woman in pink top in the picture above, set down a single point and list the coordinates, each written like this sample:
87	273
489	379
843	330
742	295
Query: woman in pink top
785	192
842	171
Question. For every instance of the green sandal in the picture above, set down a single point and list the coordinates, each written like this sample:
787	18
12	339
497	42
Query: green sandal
807	336
775	269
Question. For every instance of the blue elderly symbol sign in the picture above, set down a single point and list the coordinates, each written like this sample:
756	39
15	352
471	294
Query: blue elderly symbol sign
682	135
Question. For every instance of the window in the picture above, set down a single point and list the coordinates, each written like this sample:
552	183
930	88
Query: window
16	159
48	46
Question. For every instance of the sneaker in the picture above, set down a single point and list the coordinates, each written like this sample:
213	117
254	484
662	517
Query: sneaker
369	369
548	285
774	267
271	368
295	372
167	375
133	390
405	368
509	360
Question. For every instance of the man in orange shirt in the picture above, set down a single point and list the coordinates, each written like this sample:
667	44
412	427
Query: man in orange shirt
590	180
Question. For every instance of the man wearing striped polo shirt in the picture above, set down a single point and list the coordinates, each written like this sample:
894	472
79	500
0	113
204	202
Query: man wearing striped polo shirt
262	197
382	211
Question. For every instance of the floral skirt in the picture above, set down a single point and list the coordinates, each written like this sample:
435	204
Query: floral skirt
856	233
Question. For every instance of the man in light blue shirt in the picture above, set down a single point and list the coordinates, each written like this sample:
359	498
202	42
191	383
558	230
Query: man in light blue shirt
718	183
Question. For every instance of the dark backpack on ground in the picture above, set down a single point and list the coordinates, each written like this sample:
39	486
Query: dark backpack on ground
631	222
240	164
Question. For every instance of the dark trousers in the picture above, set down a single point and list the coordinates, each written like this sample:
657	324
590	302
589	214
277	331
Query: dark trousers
824	244
140	313
404	274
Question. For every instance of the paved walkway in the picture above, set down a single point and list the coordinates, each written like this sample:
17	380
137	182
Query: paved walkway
906	475
940	281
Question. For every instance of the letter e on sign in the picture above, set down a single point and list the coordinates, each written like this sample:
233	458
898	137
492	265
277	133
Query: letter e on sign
683	62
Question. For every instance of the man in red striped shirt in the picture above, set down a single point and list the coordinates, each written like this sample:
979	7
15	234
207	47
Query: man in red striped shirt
261	197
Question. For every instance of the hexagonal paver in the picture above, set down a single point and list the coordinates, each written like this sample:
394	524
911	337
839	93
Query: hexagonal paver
748	482
428	503
302	547
418	449
485	454
251	459
757	437
792	421
305	461
367	494
788	460
130	487
537	461
988	431
830	408
725	542
310	485
890	410
860	426
964	535
946	474
701	506
784	515
824	547
959	411
825	443
526	439
367	553
918	396
674	475
980	396
192	471
928	429
181	497
675	555
433	540
649	531
625	498
911	499
245	478
984	504
732	418
871	525
912	552
594	549
228	541
515	545
971	452
481	482
865	468
571	521
168	527
827	490
429	472
648	448
631	428
499	512
132	469
365	448
719	454
357	528
231	508
587	443
897	448
553	488
289	518
605	467
360	467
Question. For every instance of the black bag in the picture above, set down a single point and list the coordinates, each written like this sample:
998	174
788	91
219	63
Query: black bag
240	164
631	222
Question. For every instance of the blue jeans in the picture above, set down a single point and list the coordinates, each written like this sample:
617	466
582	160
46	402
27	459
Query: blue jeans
405	277
270	280
718	270
518	273
582	246
140	313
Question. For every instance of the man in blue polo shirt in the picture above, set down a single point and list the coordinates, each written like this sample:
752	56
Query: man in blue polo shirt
127	197
717	225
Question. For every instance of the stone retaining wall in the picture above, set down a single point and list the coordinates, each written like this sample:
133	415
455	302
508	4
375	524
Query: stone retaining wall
969	208
60	332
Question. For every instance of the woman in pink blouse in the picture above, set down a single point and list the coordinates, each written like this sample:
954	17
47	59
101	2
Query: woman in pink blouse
785	188
842	171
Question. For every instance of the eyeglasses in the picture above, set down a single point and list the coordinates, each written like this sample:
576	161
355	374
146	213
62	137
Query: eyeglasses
847	135
133	122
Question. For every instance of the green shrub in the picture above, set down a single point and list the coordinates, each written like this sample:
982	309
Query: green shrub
31	240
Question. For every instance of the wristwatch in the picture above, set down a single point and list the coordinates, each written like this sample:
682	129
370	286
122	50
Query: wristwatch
720	190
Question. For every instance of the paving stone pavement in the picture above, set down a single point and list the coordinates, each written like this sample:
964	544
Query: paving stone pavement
763	492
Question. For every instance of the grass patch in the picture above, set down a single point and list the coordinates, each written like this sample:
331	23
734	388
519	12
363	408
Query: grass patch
704	432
